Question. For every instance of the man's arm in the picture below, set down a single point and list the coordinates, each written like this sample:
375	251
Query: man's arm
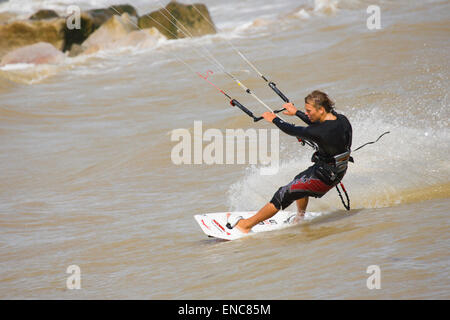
290	129
303	116
291	110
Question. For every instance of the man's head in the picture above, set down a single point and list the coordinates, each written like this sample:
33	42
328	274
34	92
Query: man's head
317	105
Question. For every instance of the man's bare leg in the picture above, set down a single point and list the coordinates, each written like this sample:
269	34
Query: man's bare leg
301	206
266	212
301	209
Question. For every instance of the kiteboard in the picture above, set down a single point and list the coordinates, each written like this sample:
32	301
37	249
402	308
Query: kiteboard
215	224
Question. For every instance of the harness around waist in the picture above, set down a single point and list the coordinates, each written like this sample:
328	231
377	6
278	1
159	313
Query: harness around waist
338	162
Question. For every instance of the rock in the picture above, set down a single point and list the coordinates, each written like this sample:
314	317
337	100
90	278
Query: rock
140	38
100	16
39	53
44	14
77	36
110	32
180	16
123	8
144	38
45	27
76	50
22	33
91	20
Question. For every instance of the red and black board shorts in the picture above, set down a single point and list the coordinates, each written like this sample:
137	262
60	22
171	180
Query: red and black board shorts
305	184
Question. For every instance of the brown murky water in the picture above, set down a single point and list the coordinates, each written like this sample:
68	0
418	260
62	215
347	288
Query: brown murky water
87	176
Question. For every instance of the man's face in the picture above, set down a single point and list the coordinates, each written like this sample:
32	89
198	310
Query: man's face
313	114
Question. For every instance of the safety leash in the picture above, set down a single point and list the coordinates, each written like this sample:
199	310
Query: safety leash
346	205
372	142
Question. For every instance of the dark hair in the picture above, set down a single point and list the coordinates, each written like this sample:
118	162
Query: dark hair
320	99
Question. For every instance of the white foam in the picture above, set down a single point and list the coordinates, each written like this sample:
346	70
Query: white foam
17	66
326	6
27	7
303	14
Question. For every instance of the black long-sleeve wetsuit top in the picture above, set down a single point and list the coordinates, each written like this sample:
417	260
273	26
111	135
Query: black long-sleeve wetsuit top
331	137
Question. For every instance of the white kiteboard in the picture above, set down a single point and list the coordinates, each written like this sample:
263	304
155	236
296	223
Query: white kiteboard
215	224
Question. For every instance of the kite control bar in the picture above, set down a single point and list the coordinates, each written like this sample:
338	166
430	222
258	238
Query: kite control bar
236	103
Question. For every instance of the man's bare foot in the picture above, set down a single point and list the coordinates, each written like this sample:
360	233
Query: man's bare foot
299	217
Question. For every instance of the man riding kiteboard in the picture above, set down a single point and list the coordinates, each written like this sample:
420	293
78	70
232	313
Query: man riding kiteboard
331	135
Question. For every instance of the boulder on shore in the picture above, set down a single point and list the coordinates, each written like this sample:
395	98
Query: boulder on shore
91	20
44	14
39	53
105	37
23	33
123	8
173	20
116	22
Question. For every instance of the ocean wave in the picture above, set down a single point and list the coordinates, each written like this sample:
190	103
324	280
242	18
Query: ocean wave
28	73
